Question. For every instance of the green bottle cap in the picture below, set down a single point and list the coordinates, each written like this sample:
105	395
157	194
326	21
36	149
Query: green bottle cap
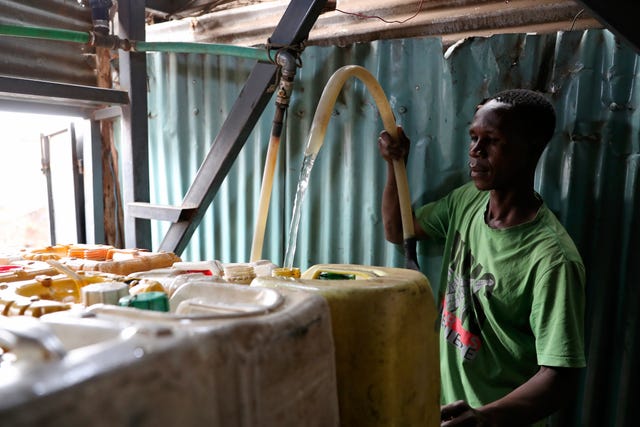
330	275
156	301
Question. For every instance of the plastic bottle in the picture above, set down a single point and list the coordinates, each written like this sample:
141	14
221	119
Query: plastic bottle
286	272
241	274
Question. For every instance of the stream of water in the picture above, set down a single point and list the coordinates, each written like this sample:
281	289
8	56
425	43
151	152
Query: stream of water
303	183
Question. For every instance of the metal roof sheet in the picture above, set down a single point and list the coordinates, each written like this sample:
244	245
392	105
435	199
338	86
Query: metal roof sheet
366	20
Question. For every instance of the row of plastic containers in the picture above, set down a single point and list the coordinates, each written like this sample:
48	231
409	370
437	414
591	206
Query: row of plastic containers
215	344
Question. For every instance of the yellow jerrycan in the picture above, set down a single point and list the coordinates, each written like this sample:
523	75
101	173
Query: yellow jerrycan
384	326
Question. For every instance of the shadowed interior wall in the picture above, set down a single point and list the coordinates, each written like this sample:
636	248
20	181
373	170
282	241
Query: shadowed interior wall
589	174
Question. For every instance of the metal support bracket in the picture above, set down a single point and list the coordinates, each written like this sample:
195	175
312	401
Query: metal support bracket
19	94
293	28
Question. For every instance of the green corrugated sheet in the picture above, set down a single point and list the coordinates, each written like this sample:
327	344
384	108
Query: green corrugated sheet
589	175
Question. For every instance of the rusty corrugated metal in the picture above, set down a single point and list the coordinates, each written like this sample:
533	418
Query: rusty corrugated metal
162	10
356	21
589	175
54	61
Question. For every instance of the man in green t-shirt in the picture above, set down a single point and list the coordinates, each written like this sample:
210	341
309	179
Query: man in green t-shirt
512	282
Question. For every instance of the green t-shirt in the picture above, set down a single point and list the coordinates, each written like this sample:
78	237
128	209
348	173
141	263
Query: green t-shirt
511	299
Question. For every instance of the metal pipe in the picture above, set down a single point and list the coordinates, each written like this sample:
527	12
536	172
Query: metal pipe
46	170
206	48
114	42
45	33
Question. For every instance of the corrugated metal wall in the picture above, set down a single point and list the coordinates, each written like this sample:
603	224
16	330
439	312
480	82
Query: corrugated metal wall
589	175
54	61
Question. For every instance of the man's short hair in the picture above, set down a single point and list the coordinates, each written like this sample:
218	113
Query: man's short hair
532	109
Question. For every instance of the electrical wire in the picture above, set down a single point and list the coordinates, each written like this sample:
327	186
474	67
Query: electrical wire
575	18
363	16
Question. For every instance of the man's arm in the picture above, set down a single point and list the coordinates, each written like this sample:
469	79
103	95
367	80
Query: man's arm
391	217
539	397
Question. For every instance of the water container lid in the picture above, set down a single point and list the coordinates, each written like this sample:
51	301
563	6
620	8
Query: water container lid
156	301
104	293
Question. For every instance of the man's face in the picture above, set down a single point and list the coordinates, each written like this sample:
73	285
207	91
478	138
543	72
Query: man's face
499	158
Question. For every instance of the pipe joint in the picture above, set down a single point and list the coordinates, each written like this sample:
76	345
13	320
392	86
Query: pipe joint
108	41
288	64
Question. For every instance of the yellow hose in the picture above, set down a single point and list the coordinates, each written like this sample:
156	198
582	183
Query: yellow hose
265	197
75	277
323	114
